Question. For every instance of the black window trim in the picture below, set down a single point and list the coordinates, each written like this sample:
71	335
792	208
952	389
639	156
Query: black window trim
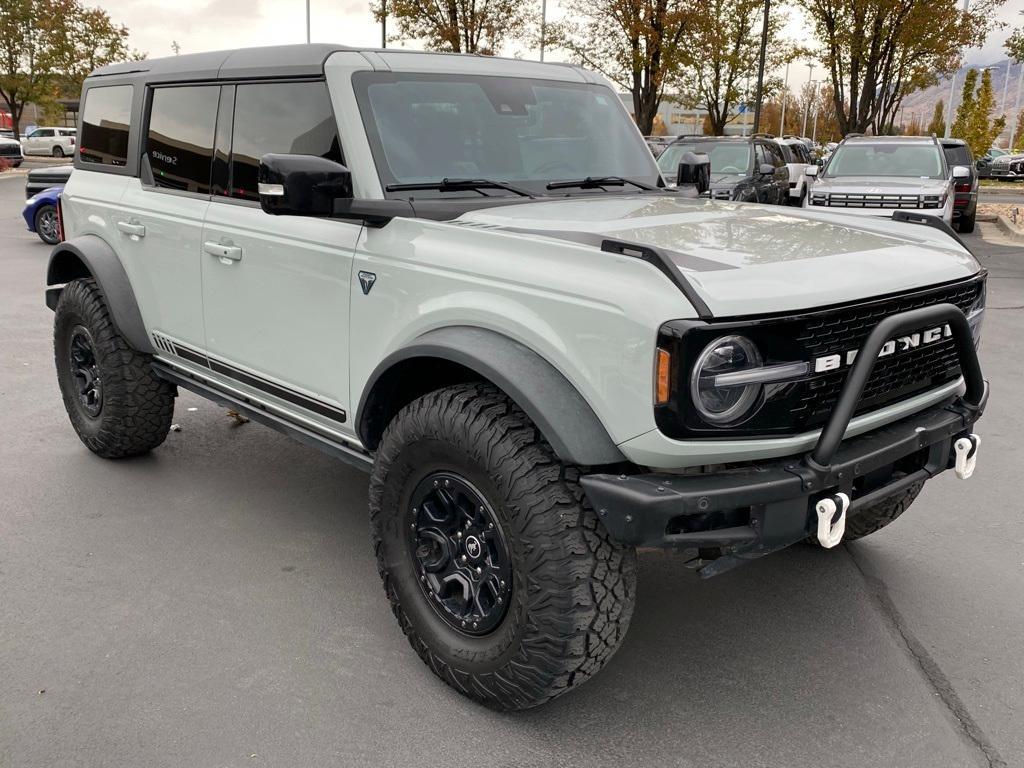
131	166
150	88
145	174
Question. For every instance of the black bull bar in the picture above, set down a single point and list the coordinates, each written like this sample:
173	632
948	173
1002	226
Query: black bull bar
741	514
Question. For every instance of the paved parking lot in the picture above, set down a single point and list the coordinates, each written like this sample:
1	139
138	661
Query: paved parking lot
216	604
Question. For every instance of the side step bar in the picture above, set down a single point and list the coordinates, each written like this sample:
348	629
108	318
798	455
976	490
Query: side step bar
329	445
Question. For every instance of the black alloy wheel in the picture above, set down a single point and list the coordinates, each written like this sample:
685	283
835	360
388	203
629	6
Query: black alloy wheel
86	372
459	553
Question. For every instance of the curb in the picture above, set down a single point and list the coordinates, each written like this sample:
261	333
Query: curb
1008	229
16	173
999	190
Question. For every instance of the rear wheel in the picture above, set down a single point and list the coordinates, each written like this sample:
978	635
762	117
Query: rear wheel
46	224
117	404
58	151
497	569
966	224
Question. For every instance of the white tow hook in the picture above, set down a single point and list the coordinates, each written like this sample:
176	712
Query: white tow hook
831	533
966	449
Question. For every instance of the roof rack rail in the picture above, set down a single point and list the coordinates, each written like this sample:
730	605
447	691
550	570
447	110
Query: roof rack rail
762	135
852	135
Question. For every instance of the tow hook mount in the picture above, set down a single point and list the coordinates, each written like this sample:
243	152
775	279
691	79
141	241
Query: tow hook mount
830	526
966	449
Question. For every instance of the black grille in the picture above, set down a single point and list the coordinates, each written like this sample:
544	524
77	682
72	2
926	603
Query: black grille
841	200
805	404
894	378
10	150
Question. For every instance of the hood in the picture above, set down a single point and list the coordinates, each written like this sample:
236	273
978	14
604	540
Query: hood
745	259
5	141
1007	159
878	185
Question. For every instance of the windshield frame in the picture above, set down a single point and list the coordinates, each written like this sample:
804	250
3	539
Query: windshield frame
361	82
827	172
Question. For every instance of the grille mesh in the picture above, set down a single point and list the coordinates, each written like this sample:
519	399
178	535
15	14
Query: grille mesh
893	378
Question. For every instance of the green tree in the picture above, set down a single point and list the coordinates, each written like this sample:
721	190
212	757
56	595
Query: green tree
878	51
48	47
637	44
457	26
973	122
722	50
938	122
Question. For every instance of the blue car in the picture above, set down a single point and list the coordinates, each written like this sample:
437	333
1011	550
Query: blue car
40	214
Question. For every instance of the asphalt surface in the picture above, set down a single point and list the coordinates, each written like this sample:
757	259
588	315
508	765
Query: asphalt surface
216	603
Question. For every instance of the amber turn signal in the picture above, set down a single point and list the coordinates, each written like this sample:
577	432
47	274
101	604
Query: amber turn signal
661	377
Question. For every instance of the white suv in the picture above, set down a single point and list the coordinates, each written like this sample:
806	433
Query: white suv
55	142
875	175
464	275
798	160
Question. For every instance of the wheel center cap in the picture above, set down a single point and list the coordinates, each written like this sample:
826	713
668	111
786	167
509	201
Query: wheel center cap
473	547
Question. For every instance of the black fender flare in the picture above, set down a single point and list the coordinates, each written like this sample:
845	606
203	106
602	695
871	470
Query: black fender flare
560	412
90	256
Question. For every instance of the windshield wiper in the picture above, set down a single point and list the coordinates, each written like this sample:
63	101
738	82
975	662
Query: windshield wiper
597	182
455	185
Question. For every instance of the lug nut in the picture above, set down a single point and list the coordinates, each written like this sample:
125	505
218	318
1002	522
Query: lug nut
479	570
463	558
458	534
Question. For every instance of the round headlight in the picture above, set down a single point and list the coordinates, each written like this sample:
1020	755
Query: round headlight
726	404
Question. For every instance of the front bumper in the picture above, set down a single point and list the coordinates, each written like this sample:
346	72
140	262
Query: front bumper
747	512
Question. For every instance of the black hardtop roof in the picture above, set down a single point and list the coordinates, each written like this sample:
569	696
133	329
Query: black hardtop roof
270	61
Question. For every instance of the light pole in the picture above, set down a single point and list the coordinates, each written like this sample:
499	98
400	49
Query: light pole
952	92
543	26
810	76
785	93
817	107
307	22
1006	83
383	23
759	89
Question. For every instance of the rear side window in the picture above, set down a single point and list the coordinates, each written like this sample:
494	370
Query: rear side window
293	118
180	138
957	154
105	122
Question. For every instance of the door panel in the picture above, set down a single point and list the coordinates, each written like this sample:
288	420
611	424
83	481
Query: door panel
276	288
276	299
163	262
162	223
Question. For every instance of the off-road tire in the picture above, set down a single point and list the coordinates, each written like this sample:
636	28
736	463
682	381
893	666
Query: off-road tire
137	405
866	521
573	589
966	223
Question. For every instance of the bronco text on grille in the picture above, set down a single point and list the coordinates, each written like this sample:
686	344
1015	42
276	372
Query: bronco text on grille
816	338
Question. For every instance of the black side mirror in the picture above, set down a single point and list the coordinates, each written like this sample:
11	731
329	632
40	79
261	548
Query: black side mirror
694	169
766	169
302	185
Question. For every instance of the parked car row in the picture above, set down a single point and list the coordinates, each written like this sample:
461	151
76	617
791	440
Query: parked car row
862	175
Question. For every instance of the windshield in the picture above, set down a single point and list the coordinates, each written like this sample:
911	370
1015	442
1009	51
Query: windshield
726	157
424	128
920	161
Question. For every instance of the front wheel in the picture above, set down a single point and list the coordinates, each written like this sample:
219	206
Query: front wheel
497	569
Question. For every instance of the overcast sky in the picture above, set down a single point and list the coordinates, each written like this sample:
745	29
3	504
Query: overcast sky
206	25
